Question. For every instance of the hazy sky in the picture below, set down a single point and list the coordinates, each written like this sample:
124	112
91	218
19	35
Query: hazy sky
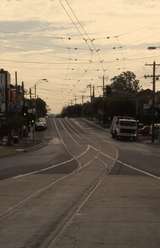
43	39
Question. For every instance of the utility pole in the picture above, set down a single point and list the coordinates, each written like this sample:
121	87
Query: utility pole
82	99
23	93
16	78
90	87
16	85
93	92
75	100
155	77
35	91
30	93
103	87
103	96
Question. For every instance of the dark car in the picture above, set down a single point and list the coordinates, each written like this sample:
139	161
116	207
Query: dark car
145	131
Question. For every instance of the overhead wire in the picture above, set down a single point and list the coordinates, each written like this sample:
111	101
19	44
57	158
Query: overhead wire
76	26
83	33
74	23
86	33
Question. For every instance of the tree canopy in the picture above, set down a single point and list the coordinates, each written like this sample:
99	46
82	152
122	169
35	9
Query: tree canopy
123	96
126	82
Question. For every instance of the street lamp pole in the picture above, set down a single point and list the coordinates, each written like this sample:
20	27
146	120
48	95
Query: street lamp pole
35	99
35	93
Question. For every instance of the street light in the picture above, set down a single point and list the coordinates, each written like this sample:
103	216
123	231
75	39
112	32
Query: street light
35	96
35	88
37	83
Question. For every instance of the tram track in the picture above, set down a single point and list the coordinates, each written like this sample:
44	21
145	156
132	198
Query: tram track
91	160
11	210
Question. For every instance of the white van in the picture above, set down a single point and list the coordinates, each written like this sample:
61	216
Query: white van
124	127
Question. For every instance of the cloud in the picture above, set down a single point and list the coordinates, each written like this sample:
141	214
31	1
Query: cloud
32	26
21	26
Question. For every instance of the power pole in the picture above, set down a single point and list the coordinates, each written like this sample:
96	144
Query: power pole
155	77
35	91
30	93
16	85
23	95
103	94
93	92
103	87
82	99
75	100
90	87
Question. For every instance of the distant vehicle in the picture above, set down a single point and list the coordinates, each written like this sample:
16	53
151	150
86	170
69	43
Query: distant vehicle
41	124
145	131
124	127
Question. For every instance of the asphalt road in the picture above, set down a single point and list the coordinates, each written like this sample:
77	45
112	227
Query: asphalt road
82	189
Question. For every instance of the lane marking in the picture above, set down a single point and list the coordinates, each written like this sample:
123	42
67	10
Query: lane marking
129	166
93	147
125	164
53	166
12	209
139	170
58	164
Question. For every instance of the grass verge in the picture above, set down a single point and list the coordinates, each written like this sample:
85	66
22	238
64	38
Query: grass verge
7	151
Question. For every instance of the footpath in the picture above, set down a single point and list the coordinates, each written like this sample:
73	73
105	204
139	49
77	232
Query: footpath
29	143
24	145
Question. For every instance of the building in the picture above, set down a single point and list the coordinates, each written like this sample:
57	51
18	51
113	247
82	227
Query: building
4	89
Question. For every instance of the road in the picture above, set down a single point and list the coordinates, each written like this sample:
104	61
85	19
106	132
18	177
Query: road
82	189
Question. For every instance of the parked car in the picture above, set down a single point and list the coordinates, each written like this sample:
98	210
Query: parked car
124	127
40	125
145	130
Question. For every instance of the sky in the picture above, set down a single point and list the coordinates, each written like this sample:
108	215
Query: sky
73	43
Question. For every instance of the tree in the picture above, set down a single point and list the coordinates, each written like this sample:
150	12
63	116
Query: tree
125	83
41	107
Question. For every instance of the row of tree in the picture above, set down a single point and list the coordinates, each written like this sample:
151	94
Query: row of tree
18	121
124	96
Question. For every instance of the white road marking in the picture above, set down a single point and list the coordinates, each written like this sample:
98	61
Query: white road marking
12	209
139	170
35	194
53	166
124	164
58	164
115	148
128	165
